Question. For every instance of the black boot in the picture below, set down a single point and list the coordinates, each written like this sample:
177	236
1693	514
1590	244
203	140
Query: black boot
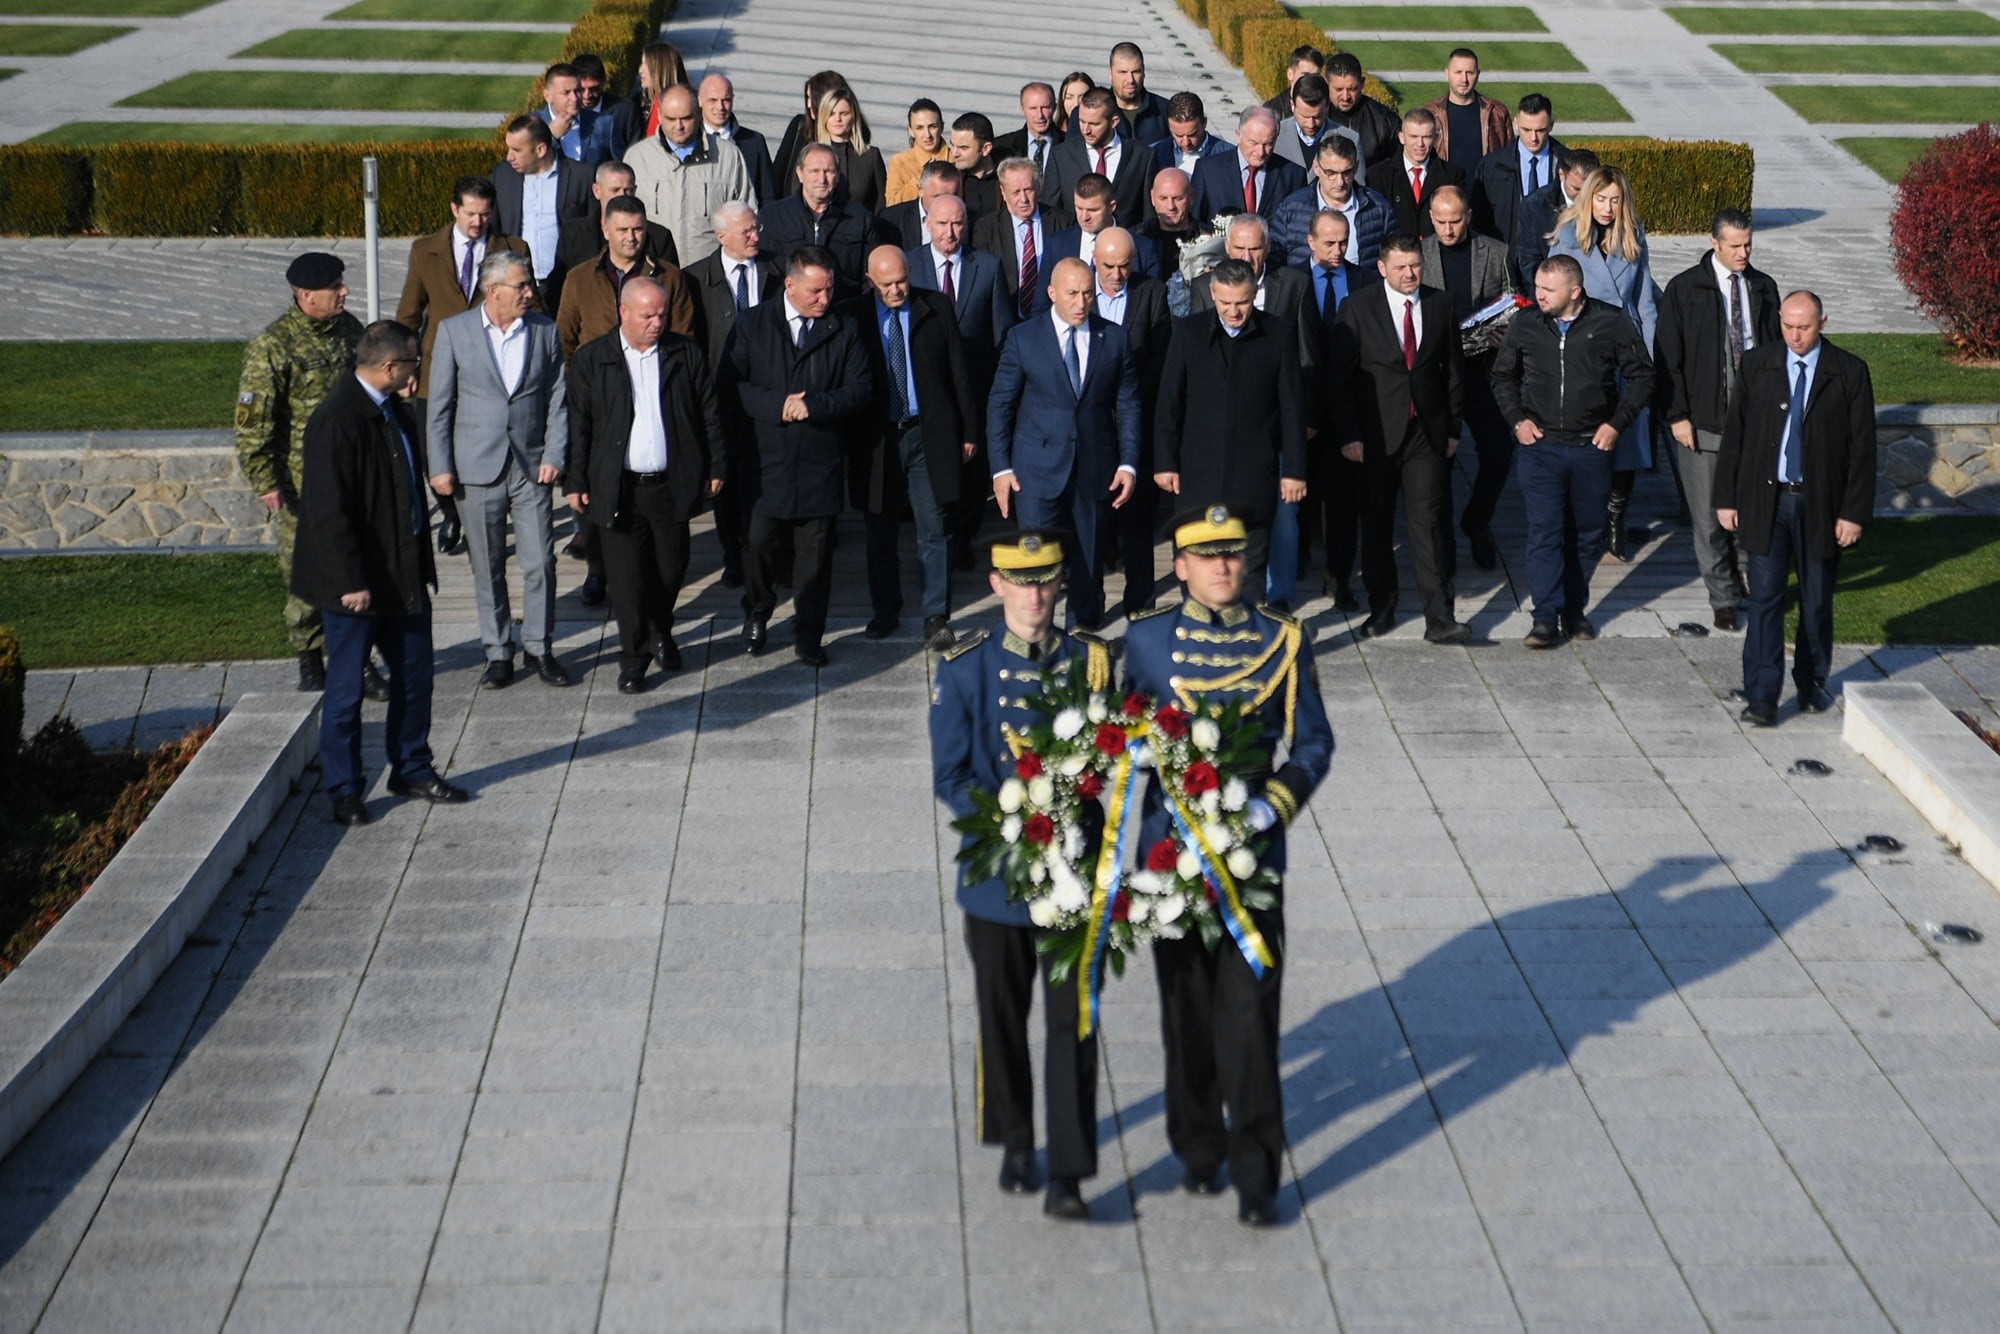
1614	527
312	671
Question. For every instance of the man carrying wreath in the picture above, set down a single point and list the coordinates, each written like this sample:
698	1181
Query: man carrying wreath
978	708
1219	1008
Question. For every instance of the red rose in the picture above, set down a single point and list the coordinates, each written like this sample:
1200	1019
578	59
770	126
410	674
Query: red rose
1122	910
1090	787
1162	856
1135	705
1028	766
1199	778
1039	829
1171	722
1209	890
1111	738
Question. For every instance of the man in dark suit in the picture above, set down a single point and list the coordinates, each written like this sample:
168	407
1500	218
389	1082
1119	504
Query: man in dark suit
1796	483
818	217
1537	215
1094	213
1039	132
1096	147
1232	412
583	136
1253	179
582	239
363	559
911	443
799	376
1407	180
1062	427
537	190
736	278
1138	305
1337	483
1472	271
717	96
645	451
1018	234
592	95
906	225
1398	392
1714	312
972	153
1512	172
1188	140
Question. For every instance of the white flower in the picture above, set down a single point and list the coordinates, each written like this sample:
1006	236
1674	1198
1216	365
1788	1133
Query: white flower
1074	765
1068	893
1211	803
1012	793
1234	795
1242	863
1168	909
1142	755
1218	837
1042	912
1041	790
1205	734
1073	843
1097	709
1038	871
1010	829
1189	865
1146	882
1068	723
1137	910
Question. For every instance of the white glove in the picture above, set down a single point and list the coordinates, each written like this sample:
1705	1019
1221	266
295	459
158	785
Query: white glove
1263	815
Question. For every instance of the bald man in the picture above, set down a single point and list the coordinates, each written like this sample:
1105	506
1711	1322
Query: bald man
1063	428
682	176
717	96
1253	179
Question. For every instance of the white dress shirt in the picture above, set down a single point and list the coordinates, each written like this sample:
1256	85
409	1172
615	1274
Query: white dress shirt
510	349
751	278
1722	276
1396	300
1352	211
1063	330
957	263
539	225
1113	152
1021	229
459	242
646	447
1086	248
794	321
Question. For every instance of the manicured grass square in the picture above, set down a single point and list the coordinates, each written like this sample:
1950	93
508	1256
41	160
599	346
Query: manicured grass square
92	611
1876	104
1537	57
467	11
83	133
1889	156
1817	58
118	386
1573	101
53	39
1339	19
444	44
100	9
360	92
1913	368
1929	580
1810	21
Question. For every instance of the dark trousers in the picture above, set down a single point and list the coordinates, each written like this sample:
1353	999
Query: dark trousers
1138	532
1564	487
732	524
1337	490
812	572
405	644
645	563
885	582
1764	626
1004	963
1084	512
1219	1022
1494	440
1421	474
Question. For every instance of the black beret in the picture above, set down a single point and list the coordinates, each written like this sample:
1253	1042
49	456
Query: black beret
315	271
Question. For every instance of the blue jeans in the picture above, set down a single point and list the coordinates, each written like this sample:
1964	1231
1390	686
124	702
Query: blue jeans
405	642
1565	487
1764	624
1281	576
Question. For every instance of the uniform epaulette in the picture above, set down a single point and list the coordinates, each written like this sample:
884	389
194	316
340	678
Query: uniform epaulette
1152	611
965	646
1093	639
1281	617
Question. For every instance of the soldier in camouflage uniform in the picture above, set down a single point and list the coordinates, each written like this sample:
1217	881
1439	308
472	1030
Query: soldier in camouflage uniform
287	371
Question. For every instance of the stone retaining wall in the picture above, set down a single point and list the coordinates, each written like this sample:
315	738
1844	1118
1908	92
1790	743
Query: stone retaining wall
1937	458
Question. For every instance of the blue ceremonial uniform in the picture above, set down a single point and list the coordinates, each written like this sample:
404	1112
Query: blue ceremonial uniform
1219	1019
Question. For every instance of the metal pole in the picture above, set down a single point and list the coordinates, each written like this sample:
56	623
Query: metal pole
371	213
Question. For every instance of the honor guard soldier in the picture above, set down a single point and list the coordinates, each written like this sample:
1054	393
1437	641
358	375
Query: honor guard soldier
1218	1011
288	370
978	707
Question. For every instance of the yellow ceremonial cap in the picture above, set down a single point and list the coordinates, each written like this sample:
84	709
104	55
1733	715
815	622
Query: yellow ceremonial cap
1215	530
1031	557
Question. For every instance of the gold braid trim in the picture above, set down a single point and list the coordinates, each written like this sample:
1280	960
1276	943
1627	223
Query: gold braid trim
1016	743
1282	800
1286	675
1097	665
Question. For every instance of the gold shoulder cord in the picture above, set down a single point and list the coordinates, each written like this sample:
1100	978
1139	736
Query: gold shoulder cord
1287	644
1097	666
1016	743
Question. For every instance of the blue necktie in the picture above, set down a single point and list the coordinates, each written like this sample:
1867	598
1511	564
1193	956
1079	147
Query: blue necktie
898	358
742	287
1074	366
1788	459
1534	173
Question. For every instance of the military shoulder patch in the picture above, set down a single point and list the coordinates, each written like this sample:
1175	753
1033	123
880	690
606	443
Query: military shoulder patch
1092	639
1152	611
965	646
1281	617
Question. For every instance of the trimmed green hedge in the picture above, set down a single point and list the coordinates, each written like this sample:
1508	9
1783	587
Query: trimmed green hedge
1679	184
1226	19
44	189
1267	45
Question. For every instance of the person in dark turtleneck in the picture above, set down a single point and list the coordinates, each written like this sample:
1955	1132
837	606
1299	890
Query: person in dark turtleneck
1472	270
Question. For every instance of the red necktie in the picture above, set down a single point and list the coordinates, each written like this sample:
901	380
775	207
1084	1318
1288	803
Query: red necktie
1029	270
1410	342
1249	189
946	287
1103	166
1417	184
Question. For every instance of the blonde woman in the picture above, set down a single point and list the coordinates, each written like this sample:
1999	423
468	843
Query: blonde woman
660	68
841	127
927	144
1602	232
800	131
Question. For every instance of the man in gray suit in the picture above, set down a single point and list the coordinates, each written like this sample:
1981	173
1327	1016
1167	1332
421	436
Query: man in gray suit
1472	270
499	435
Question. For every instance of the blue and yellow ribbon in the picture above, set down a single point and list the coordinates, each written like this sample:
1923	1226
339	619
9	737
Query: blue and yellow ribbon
1242	928
1120	819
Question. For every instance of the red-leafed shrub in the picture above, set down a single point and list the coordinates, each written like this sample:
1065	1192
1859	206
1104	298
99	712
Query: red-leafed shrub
1945	236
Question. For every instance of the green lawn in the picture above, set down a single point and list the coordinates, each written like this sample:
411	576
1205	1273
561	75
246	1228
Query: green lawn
103	9
442	44
1573	101
1890	155
464	11
1926	580
1914	368
1878	104
119	386
53	39
1338	19
498	93
1853	22
1788	58
1535	57
82	133
89	611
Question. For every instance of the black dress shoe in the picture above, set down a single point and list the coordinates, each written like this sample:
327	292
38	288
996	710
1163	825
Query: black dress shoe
1485	551
1543	634
1816	700
1261	1211
548	667
450	534
1018	1173
668	653
937	634
1579	628
1377	625
1343	596
1448	632
1727	619
1202	1181
432	789
812	655
755	637
591	593
879	627
499	674
1759	715
350	811
312	672
373	684
1065	1201
632	681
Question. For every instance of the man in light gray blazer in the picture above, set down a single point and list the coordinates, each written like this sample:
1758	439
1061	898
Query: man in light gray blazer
499	435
